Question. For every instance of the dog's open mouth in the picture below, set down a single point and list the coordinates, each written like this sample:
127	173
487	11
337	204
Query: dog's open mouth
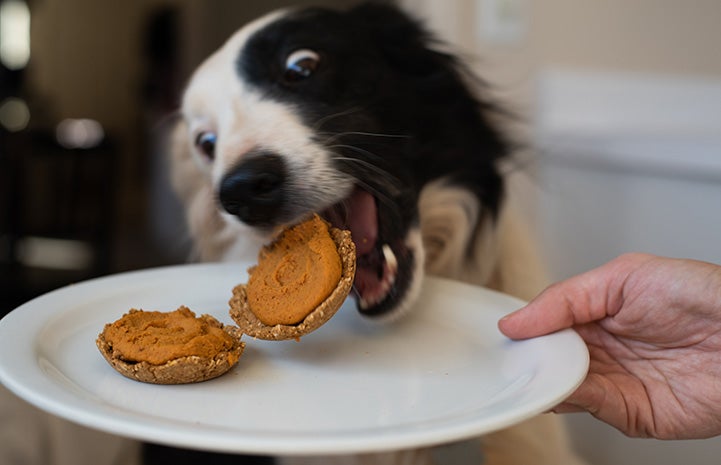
380	260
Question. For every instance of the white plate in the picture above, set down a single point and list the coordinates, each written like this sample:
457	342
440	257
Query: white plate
443	373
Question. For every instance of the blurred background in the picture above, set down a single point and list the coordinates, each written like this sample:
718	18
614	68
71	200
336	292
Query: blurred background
621	105
622	101
87	91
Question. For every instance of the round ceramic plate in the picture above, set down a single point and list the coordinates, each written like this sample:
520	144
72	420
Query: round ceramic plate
442	373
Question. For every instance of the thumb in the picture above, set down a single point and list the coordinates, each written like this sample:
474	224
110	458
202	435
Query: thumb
578	300
535	319
581	299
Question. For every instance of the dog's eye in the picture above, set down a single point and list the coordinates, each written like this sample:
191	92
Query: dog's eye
300	64
205	142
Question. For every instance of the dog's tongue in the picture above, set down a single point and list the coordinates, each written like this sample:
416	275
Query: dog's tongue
362	221
357	213
376	264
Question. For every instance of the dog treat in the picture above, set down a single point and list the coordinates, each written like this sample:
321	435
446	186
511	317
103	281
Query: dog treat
294	274
301	280
170	347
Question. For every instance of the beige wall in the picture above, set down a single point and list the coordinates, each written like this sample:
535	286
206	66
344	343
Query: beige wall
83	57
669	36
660	36
86	54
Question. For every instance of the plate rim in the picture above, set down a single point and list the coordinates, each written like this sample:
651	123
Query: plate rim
126	423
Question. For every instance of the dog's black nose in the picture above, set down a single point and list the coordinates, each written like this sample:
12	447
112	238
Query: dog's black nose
253	191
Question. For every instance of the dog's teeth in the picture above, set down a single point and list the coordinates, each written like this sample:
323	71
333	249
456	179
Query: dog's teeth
390	257
385	287
386	276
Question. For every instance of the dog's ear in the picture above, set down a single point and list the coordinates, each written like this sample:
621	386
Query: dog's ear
402	39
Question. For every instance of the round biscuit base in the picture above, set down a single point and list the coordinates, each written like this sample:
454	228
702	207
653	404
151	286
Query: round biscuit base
183	370
250	324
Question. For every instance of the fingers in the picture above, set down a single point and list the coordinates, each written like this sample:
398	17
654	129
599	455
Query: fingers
620	406
558	307
581	299
566	407
588	397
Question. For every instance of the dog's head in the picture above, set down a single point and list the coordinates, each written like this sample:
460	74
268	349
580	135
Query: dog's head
348	114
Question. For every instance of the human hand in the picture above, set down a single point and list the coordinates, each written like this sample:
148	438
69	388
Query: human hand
653	330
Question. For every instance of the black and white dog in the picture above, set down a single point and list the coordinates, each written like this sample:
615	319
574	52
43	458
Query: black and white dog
347	114
360	116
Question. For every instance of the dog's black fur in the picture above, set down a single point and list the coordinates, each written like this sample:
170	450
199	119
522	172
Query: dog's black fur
393	111
381	73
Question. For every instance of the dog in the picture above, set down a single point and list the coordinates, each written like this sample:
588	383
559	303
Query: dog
362	117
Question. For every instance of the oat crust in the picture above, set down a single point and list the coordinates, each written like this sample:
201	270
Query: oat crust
250	324
182	370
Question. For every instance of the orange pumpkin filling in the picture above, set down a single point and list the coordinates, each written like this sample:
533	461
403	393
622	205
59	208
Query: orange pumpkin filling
159	337
294	274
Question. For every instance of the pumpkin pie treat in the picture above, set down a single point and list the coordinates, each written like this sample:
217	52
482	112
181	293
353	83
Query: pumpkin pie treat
170	347
302	278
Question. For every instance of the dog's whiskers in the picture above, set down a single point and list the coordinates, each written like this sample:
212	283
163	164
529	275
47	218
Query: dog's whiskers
370	166
390	181
319	124
383	198
333	137
357	149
